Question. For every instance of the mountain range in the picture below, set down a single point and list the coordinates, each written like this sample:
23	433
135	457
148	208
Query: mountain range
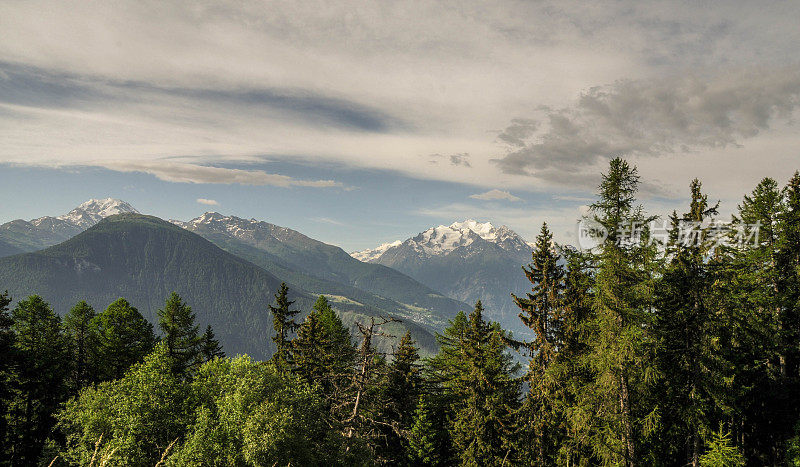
467	261
424	280
357	290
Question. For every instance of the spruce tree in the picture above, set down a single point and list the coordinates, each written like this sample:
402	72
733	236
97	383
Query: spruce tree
284	325
81	328
398	400
210	347
618	355
42	350
788	262
124	338
484	394
685	333
542	311
181	339
6	372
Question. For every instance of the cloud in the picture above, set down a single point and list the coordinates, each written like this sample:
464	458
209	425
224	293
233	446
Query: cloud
651	118
461	159
191	173
494	195
327	220
207	202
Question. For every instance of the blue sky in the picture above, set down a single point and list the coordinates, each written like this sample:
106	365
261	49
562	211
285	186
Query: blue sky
363	122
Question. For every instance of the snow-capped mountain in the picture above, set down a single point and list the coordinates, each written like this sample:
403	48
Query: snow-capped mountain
93	211
46	231
370	254
442	240
467	261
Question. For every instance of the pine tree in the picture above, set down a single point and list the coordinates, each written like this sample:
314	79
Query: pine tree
721	451
7	364
621	310
210	347
542	311
788	262
81	328
284	325
686	333
750	304
425	443
43	355
476	371
399	398
181	339
322	351
124	338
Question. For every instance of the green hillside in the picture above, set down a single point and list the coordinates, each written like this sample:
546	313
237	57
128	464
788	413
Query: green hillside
143	259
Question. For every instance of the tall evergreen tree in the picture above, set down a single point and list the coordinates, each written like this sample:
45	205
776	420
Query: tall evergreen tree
685	331
788	262
6	372
124	337
181	338
476	370
399	398
284	325
323	352
42	350
542	311
81	328
622	318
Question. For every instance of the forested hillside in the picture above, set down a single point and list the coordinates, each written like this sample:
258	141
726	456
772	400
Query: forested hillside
669	342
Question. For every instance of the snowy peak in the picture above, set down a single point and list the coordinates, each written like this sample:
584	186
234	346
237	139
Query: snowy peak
373	253
444	239
92	211
250	231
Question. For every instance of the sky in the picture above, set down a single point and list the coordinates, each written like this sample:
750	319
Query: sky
359	123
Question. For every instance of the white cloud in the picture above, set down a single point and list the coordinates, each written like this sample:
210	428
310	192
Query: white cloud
207	202
383	85
494	195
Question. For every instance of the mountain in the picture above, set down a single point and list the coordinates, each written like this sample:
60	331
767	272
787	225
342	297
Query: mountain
143	259
20	236
467	261
326	269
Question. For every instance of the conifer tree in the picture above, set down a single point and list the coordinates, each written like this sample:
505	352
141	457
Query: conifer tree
124	337
43	356
81	328
284	325
542	311
181	339
618	355
322	351
476	371
399	399
788	262
685	331
6	372
425	443
210	347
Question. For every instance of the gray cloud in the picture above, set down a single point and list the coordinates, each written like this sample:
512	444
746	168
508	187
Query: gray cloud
651	118
461	159
191	173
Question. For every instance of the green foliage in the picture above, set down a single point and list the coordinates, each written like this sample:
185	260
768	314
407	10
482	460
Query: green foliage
41	365
721	451
181	339
80	326
124	338
250	413
210	347
284	325
138	416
